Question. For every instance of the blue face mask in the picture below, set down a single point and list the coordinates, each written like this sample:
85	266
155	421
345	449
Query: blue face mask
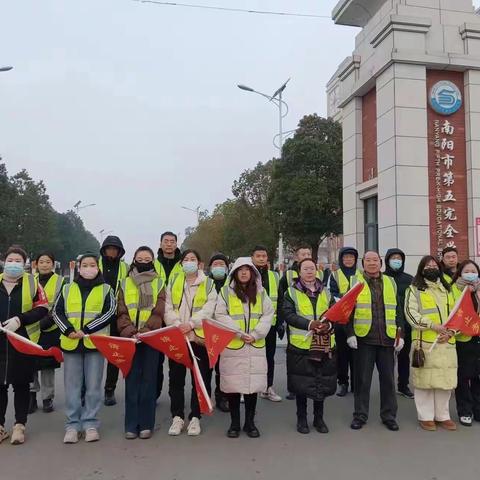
395	263
218	273
190	267
470	277
13	269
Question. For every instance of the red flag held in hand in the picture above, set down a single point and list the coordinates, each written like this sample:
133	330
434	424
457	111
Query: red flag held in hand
27	347
216	339
118	351
171	341
463	317
340	312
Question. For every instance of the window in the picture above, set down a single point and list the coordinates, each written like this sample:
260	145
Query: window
371	223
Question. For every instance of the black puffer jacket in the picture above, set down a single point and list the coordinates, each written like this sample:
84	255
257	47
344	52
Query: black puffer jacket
315	380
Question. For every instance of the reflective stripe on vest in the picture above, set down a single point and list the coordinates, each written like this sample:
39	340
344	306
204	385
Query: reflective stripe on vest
176	270
343	282
273	280
303	305
52	289
293	275
456	293
75	309
362	321
427	307
122	272
237	314
177	285
131	295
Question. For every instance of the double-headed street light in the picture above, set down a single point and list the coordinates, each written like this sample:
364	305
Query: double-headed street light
195	210
77	206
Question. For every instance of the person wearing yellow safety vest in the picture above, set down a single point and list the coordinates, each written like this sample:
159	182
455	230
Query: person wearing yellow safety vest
83	307
52	284
428	303
375	333
114	270
311	362
467	393
245	306
191	297
338	285
166	265
141	308
270	281
22	305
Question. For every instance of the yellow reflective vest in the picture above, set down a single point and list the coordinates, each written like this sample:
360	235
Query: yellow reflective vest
176	270
52	289
131	296
122	271
29	290
79	315
177	285
273	280
362	320
303	305
237	314
342	281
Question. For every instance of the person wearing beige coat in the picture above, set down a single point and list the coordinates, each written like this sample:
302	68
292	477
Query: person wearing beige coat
428	303
244	306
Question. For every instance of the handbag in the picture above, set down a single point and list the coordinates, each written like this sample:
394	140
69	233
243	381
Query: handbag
418	356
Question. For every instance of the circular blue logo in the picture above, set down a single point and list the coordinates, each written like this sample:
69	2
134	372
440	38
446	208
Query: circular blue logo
445	97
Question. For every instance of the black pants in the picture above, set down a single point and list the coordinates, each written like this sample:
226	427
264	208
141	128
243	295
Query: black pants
467	392
177	376
234	404
404	360
21	400
344	357
302	407
112	371
270	349
366	357
160	375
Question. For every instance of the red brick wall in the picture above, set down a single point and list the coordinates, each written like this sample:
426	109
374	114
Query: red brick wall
437	168
369	135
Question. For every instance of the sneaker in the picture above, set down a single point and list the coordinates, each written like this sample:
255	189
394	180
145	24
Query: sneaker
405	392
466	421
3	434
18	434
194	427
145	434
176	427
48	406
342	390
130	435
71	436
110	399
271	395
92	435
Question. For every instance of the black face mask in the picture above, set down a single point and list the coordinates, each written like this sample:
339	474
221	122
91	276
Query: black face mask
431	274
143	267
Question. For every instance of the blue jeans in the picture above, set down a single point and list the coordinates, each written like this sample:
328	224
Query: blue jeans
79	369
141	390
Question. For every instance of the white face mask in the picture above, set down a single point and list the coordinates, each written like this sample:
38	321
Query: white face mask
88	273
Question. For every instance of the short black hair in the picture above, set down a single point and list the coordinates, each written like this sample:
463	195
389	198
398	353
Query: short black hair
302	246
168	234
259	248
45	254
448	250
190	250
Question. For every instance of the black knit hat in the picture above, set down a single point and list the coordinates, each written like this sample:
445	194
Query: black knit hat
218	256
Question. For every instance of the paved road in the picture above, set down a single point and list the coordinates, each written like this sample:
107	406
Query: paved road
280	453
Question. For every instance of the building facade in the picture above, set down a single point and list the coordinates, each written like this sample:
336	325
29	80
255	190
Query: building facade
409	101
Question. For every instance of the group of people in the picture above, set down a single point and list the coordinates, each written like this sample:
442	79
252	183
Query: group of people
395	316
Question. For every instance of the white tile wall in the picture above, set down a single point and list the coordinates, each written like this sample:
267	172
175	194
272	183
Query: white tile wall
413	210
415	240
412	151
412	180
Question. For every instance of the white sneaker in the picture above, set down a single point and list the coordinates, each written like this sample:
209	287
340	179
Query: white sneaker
3	433
92	435
176	427
271	395
194	427
71	436
467	421
18	434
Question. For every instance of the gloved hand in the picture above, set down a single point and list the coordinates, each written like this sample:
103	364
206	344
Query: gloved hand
12	324
399	345
352	342
281	331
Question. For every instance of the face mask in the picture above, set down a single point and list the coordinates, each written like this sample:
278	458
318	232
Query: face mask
190	267
470	277
88	273
219	272
143	267
395	263
432	274
13	269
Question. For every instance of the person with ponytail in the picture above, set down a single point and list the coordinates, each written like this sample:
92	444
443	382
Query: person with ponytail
141	308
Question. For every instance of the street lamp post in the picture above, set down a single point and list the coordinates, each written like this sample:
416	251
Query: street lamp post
77	206
195	210
102	232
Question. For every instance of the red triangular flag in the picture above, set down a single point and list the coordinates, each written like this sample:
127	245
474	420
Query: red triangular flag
463	317
204	402
340	312
118	351
171	341
27	347
216	339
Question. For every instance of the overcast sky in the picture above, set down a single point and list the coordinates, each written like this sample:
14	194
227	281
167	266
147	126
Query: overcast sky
134	106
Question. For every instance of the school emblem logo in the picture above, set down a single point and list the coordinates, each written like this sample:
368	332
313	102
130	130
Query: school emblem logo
445	98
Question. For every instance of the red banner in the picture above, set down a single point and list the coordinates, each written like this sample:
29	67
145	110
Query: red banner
464	318
27	347
341	311
171	341
117	350
216	339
